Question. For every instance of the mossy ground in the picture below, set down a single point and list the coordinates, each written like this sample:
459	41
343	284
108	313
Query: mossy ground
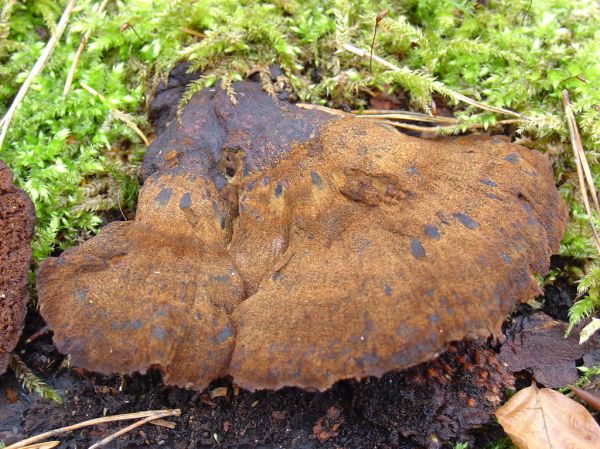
78	161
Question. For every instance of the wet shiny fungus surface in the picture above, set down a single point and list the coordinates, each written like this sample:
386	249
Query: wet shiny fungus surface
288	247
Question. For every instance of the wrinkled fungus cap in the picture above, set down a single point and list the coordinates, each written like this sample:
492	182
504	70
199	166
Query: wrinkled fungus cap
17	218
288	247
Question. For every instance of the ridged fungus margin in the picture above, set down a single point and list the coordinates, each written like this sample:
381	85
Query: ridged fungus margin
289	247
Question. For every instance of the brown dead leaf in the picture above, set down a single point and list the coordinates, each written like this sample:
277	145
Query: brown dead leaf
545	419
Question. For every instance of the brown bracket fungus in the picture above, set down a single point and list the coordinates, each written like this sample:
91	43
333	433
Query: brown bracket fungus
288	247
17	219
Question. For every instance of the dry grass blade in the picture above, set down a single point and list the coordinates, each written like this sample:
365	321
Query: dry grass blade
163	423
459	97
73	68
409	116
129	428
316	107
443	129
583	169
582	157
37	68
125	118
46	445
92	422
192	32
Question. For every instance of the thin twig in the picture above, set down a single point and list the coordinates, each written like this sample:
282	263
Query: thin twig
455	95
93	422
82	44
127	429
581	164
37	68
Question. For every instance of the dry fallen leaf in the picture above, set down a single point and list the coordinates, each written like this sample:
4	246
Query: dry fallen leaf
545	419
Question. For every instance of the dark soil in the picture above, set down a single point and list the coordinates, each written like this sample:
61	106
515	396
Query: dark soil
373	413
420	407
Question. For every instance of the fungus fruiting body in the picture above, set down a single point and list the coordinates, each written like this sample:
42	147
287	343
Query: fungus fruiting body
16	230
288	247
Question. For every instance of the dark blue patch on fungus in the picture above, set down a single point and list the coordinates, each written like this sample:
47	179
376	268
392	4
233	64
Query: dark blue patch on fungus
220	278
527	207
492	196
402	331
224	334
278	189
164	196
412	170
488	182
434	318
432	232
137	324
387	290
218	214
186	201
511	157
220	181
506	258
158	333
80	295
417	249
465	220
316	179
